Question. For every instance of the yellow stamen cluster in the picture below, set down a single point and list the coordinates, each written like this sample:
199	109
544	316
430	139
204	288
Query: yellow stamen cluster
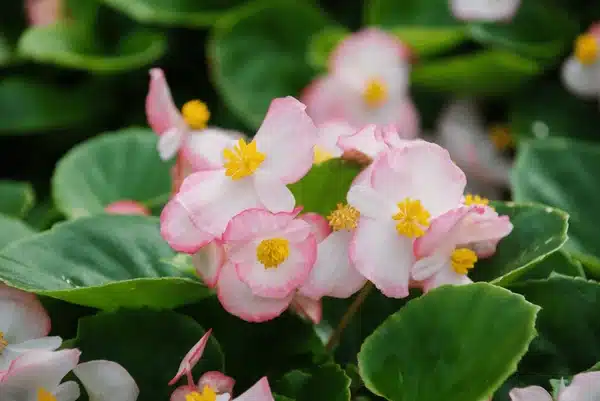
242	160
586	49
345	217
3	342
208	394
321	155
463	259
476	200
273	252
196	114
45	395
412	218
501	137
375	93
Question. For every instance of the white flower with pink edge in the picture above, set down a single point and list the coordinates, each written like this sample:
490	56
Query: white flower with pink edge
37	376
255	175
584	387
408	187
581	71
24	326
484	10
367	83
212	386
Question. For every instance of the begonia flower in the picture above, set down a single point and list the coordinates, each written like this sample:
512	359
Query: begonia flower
480	155
447	251
37	376
269	256
43	12
484	10
212	386
127	207
328	136
581	71
367	83
409	187
584	387
24	325
254	175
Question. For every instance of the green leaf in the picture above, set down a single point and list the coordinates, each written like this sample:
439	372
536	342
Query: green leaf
326	382
12	230
540	30
149	344
251	66
548	110
43	215
538	231
16	198
430	41
560	172
187	13
568	326
446	346
121	165
106	262
559	262
392	13
67	45
322	44
325	185
28	105
487	72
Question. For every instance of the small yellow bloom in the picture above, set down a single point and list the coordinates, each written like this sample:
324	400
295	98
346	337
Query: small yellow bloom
242	160
586	49
45	395
463	259
273	252
345	217
196	114
412	218
376	93
321	155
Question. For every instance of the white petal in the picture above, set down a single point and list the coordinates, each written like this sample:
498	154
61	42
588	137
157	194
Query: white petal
259	392
22	320
272	193
67	391
170	142
531	393
484	10
428	266
584	387
107	381
370	203
582	80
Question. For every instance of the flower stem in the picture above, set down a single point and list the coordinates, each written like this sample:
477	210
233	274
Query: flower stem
348	315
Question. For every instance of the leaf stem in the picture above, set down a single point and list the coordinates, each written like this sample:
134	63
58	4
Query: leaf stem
348	315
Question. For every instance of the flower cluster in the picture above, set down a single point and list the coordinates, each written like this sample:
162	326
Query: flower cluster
405	223
31	368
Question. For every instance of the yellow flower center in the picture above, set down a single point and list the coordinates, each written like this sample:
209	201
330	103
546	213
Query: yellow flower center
273	252
412	218
3	342
586	49
345	217
476	200
321	155
242	160
463	259
375	93
208	394
501	137
45	395
196	114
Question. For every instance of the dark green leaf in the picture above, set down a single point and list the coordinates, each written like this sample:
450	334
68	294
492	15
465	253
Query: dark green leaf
326	382
392	13
12	230
16	198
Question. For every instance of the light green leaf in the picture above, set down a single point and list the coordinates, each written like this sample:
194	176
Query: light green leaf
121	165
70	46
12	230
322	44
559	262
325	186
148	344
251	65
188	13
487	72
430	41
538	231
16	198
103	261
393	13
457	343
561	172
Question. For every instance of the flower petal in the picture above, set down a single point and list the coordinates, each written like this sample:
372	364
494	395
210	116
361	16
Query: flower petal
428	266
180	392
484	10
253	223
219	382
368	140
287	137
319	225
273	194
208	262
204	149
161	111
531	393
170	142
408	122
382	256
445	276
43	12
422	171
581	80
127	207
237	298
585	386
106	381
23	319
67	391
259	392
330	132
322	98
370	203
307	308
333	275
191	358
